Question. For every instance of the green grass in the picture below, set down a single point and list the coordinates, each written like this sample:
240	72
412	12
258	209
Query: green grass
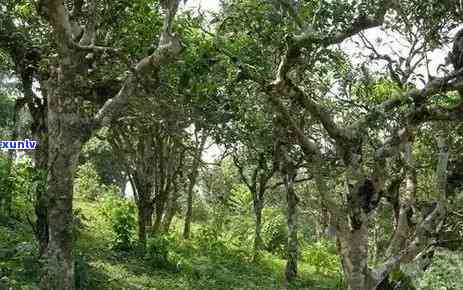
194	265
199	263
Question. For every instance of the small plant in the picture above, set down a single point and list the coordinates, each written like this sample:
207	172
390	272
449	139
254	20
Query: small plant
78	223
88	183
322	255
157	252
120	213
275	235
445	272
82	269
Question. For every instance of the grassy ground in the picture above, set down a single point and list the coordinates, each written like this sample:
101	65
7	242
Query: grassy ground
100	267
195	267
199	263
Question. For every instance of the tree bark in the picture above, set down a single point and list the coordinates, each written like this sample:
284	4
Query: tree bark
145	212
41	201
192	182
172	208
68	129
353	248
258	242
160	209
60	187
292	244
40	133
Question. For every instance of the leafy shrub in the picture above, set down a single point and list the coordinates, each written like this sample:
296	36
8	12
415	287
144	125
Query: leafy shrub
88	183
120	212
157	252
5	184
82	269
206	234
209	240
399	280
78	222
322	255
275	234
20	267
21	186
200	213
445	272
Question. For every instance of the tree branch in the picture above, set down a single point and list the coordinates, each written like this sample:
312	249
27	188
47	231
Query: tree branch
413	96
169	47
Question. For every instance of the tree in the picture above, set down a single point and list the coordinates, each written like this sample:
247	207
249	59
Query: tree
154	155
68	128
25	47
366	176
200	143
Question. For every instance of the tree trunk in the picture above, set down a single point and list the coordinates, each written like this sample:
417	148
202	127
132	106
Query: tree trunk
354	253
189	208
145	212
41	201
65	134
192	181
168	218
64	149
141	227
8	196
258	242
172	208
60	216
160	209
292	246
41	226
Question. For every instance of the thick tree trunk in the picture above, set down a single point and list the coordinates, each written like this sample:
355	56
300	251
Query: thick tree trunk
65	133
60	216
192	181
64	149
354	253
292	246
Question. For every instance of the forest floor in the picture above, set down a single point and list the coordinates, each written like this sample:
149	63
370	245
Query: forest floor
100	267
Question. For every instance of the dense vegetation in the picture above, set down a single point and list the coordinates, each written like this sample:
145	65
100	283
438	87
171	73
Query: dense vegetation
261	145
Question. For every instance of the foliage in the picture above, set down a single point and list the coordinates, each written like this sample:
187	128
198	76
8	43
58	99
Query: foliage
323	256
82	270
120	213
105	160
401	280
20	267
88	183
275	233
5	180
79	220
21	182
157	252
444	273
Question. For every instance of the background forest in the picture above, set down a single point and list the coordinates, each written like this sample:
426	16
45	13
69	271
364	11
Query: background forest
276	144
